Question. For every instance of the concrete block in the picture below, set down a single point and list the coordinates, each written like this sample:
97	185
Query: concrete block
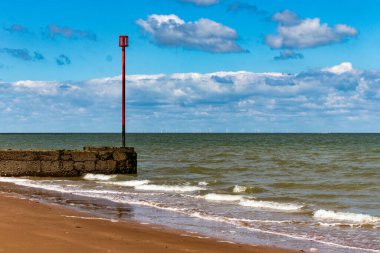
106	167
67	163
53	167
81	156
19	168
47	155
89	167
15	155
79	166
119	155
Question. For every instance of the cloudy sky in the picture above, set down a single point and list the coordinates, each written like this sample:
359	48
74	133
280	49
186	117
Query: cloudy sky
193	65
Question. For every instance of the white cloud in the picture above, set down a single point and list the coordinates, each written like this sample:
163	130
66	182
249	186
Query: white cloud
47	88
39	87
234	100
337	101
296	33
286	17
203	34
340	69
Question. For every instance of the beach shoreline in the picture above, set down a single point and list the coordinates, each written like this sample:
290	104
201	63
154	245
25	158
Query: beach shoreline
32	226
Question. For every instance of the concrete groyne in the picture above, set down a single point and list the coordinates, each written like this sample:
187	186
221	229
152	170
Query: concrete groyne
68	163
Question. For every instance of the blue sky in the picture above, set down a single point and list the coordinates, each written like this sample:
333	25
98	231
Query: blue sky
193	66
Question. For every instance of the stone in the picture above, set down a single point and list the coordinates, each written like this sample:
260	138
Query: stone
50	167
10	167
89	166
79	166
26	155
106	167
46	155
119	155
104	155
81	156
68	163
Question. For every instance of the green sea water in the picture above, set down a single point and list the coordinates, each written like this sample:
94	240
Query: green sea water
304	190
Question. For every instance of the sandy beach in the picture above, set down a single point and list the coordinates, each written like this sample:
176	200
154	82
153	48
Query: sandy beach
30	226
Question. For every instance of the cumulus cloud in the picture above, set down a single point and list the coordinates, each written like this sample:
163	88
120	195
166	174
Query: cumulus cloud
53	31
287	55
336	98
201	2
16	28
63	60
296	33
340	69
23	54
203	34
286	18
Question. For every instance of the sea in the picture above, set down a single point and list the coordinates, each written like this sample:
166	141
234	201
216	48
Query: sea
311	192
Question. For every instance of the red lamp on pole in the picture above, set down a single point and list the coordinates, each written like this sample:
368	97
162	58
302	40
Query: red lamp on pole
123	43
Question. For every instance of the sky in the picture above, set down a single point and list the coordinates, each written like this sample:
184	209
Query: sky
192	65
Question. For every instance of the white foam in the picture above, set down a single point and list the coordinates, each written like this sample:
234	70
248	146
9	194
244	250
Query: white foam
202	183
239	189
130	183
270	205
222	197
351	217
168	188
124	199
98	177
89	218
46	185
34	184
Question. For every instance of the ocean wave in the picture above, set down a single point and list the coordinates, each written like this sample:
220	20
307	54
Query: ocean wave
34	184
129	183
350	217
191	213
46	185
246	189
270	205
222	197
98	177
347	225
239	189
168	188
203	183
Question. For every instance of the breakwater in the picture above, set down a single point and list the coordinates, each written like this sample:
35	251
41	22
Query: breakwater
68	163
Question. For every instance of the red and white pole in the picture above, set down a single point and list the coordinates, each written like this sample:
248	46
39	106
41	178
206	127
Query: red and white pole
123	43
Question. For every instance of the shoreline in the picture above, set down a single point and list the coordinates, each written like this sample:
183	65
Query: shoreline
32	226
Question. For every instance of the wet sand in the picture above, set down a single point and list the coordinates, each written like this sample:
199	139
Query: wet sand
29	226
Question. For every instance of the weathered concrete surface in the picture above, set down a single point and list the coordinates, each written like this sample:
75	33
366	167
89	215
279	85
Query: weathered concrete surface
68	163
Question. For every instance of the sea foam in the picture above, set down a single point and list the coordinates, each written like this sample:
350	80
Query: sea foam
222	197
350	217
239	189
271	205
129	183
98	177
168	188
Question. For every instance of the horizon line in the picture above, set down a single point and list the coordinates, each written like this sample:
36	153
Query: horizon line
190	133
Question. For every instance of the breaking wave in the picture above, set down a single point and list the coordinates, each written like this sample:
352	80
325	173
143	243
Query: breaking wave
349	217
270	205
222	197
168	188
98	177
